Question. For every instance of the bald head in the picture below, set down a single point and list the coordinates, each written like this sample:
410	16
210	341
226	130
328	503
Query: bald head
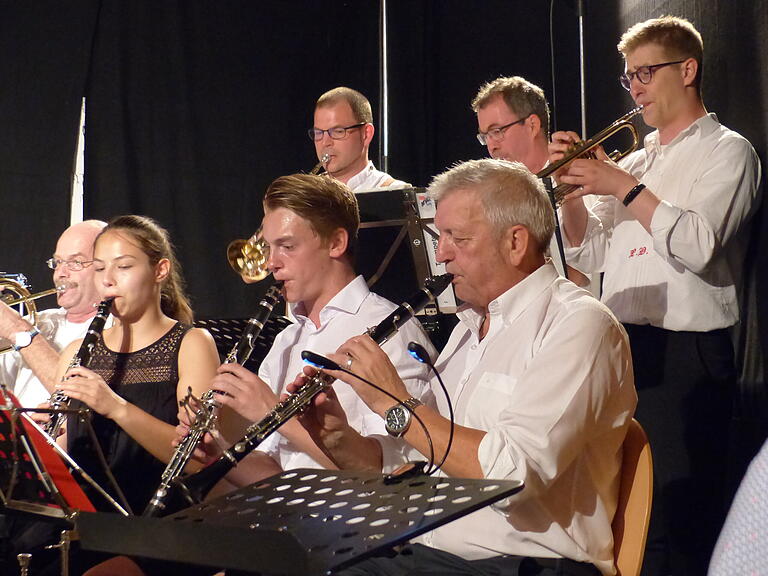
76	245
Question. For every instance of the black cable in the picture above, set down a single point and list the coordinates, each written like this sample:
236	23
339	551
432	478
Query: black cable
322	362
419	353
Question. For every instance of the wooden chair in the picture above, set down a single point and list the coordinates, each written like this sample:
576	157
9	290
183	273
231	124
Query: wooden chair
633	514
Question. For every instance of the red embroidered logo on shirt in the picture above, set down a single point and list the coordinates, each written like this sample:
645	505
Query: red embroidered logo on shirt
638	251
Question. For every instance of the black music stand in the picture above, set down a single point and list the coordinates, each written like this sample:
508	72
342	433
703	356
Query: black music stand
300	522
396	249
226	333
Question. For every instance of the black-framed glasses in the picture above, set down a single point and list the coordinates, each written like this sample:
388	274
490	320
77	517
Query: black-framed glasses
643	73
497	134
336	133
72	265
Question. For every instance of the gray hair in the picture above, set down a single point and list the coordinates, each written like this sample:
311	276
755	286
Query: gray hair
521	97
509	193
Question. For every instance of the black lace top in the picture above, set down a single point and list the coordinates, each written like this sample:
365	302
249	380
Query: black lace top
147	379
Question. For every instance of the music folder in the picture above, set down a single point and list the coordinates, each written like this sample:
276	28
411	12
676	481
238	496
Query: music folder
33	477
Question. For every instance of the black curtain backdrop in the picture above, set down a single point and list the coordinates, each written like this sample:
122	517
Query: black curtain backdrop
44	56
194	107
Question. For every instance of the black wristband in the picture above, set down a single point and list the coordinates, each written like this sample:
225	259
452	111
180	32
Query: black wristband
632	194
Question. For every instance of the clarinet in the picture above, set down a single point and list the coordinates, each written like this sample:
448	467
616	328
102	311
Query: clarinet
205	415
58	399
196	486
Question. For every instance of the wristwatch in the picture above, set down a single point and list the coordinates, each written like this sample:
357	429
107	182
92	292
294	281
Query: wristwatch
398	418
24	339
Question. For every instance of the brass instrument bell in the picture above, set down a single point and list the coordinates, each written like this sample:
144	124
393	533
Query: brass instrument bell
249	257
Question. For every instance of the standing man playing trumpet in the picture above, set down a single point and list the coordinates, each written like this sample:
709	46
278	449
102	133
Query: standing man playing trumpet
30	370
669	232
342	133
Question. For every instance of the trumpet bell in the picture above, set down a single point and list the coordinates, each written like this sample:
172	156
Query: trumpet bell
12	293
249	258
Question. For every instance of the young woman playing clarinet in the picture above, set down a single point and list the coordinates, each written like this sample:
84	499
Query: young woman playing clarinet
142	366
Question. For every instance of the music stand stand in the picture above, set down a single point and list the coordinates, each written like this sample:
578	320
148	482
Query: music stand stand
33	478
396	228
300	522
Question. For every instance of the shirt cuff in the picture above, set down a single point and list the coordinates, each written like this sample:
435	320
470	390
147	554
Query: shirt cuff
494	456
663	220
395	452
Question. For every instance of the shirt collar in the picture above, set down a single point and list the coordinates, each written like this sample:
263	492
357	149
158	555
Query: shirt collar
358	178
705	125
509	305
348	301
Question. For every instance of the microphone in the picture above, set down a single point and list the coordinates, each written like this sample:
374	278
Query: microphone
318	361
323	363
420	353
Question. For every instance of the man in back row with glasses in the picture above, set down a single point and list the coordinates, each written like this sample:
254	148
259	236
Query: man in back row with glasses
669	231
29	370
513	123
343	130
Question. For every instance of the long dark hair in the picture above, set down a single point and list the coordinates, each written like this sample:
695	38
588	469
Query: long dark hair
154	241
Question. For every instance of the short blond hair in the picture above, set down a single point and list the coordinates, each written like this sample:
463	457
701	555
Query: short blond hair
677	36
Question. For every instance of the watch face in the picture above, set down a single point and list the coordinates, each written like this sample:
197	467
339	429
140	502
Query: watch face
23	339
397	419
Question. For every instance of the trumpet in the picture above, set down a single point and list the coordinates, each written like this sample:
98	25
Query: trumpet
321	165
15	293
249	257
586	149
25	297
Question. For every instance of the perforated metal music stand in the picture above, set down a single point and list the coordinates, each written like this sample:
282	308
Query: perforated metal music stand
301	522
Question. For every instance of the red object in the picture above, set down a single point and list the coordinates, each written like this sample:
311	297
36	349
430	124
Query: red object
58	472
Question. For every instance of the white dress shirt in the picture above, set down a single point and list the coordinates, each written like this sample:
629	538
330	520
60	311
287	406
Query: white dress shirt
350	313
370	179
551	385
18	376
683	276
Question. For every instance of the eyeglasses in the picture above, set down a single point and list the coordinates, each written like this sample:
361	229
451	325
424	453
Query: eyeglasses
72	265
337	133
497	134
643	73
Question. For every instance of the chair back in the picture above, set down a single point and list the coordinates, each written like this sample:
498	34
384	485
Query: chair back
633	514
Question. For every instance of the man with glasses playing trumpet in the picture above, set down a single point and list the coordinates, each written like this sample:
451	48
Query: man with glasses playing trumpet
513	123
29	371
669	231
342	133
